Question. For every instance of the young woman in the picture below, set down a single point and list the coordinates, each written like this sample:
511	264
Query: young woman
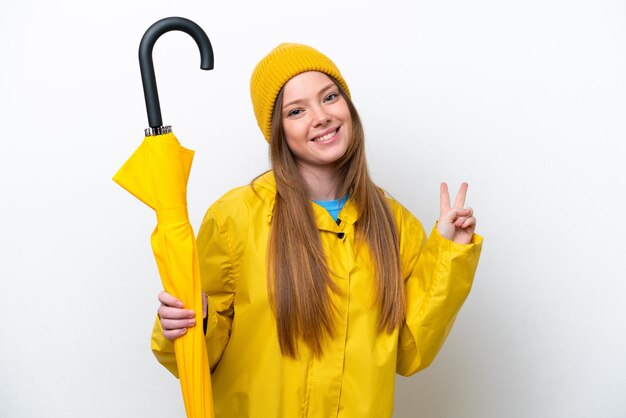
319	287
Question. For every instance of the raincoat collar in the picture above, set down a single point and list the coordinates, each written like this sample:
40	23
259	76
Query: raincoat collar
348	215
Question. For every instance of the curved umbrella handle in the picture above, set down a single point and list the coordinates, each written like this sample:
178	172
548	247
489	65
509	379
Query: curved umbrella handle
147	66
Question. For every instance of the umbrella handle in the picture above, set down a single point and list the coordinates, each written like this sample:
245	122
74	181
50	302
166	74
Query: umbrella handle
146	64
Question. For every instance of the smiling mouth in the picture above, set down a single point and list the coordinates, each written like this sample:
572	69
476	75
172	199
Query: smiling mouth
327	137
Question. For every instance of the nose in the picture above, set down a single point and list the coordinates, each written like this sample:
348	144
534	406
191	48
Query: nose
320	116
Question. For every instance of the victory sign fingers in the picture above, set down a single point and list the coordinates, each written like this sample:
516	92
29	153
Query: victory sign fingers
456	223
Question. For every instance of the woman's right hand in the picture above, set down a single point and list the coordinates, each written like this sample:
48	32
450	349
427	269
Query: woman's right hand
174	318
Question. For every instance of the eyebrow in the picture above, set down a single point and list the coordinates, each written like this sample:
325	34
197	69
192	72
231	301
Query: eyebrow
329	86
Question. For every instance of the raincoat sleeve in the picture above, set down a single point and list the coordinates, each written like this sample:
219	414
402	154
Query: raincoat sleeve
438	275
218	282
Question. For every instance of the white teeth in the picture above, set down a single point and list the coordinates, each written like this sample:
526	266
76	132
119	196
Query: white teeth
325	137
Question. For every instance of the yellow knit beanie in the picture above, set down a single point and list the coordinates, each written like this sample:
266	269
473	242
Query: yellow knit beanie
282	63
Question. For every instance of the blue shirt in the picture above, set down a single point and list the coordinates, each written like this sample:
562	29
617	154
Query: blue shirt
333	206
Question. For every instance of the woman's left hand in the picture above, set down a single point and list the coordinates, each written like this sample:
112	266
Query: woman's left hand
455	223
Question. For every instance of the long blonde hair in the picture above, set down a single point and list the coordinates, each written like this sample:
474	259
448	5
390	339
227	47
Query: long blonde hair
298	278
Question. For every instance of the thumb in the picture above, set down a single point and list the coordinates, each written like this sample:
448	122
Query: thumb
453	214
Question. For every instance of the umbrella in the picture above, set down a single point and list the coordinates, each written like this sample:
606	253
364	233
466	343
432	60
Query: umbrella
157	174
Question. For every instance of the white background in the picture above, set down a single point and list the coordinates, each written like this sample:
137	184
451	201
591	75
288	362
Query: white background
524	100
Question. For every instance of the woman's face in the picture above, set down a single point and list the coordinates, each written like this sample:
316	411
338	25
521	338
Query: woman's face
316	120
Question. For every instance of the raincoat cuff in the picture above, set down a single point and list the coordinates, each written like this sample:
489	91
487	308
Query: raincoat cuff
210	322
163	349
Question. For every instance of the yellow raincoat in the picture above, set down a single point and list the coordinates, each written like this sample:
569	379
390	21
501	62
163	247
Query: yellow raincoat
355	377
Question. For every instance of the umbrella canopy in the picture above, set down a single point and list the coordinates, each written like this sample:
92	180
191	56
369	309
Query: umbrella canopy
157	174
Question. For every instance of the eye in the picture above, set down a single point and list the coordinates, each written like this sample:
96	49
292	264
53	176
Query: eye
331	97
294	112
